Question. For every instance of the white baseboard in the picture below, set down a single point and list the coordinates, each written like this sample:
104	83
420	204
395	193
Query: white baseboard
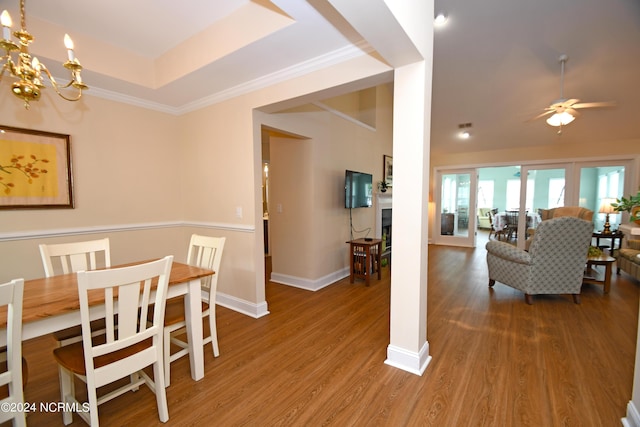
308	284
409	361
633	416
242	306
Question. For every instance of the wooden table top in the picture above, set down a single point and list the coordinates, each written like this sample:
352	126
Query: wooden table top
600	258
52	296
362	241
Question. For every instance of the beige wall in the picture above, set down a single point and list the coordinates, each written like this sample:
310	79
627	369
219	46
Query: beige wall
126	171
119	153
307	181
149	179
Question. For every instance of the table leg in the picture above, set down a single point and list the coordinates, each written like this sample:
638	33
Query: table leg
607	277
193	317
379	258
351	266
368	263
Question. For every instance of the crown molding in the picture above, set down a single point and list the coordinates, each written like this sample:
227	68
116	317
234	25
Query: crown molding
335	57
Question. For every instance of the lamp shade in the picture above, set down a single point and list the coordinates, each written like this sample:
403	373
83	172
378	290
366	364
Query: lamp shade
605	206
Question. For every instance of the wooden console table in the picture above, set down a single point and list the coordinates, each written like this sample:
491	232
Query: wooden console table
365	259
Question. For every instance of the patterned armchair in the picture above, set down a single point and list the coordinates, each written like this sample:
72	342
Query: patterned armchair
554	263
545	214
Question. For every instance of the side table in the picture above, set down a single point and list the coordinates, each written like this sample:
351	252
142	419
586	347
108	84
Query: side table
614	235
593	276
364	259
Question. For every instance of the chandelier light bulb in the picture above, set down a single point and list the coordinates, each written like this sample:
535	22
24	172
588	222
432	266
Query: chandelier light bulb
5	20
68	43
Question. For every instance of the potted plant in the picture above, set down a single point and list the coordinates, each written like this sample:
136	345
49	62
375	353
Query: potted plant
631	205
382	186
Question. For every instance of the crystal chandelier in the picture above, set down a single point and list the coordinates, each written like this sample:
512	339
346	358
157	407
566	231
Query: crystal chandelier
28	70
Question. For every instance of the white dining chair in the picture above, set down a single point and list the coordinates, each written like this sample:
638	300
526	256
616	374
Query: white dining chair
11	294
206	252
65	258
121	352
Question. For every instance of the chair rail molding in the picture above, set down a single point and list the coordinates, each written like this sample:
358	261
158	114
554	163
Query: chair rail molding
57	232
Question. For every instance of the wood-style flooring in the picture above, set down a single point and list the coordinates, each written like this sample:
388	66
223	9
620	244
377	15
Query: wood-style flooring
318	359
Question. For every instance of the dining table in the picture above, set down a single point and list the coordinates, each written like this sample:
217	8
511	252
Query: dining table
52	304
500	220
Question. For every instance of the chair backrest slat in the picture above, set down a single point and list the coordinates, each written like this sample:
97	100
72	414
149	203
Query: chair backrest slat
11	295
65	258
126	290
206	252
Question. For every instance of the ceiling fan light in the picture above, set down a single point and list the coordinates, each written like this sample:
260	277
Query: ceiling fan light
560	119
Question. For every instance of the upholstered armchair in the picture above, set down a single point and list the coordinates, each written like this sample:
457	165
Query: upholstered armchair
554	263
574	211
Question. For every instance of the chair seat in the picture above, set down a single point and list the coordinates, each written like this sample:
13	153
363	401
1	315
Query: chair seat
174	311
71	356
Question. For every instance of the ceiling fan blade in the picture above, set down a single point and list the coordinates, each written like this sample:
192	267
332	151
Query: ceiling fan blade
594	104
546	113
569	102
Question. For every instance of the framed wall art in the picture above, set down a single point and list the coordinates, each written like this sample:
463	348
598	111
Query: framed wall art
35	169
388	170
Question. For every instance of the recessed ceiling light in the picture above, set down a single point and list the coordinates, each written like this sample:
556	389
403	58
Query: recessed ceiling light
464	130
441	19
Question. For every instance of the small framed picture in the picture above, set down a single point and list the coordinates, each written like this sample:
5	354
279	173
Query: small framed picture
35	169
388	170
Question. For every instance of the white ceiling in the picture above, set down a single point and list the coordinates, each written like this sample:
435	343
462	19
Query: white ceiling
495	62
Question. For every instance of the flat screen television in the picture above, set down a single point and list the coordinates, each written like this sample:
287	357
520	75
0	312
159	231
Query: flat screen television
358	189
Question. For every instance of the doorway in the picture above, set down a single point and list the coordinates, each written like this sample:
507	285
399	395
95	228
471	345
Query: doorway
456	207
525	190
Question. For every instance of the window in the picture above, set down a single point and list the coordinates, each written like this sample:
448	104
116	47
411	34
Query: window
556	192
513	194
485	193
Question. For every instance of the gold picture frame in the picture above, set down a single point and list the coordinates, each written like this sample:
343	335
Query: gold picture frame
35	169
388	170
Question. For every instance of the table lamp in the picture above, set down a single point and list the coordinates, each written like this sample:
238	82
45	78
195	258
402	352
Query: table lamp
607	209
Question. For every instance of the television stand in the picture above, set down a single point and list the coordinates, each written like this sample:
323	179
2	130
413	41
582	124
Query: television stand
364	259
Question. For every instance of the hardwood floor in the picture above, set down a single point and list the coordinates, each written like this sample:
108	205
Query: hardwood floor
317	359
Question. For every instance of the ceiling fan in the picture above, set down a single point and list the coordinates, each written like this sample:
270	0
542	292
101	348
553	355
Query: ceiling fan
564	110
